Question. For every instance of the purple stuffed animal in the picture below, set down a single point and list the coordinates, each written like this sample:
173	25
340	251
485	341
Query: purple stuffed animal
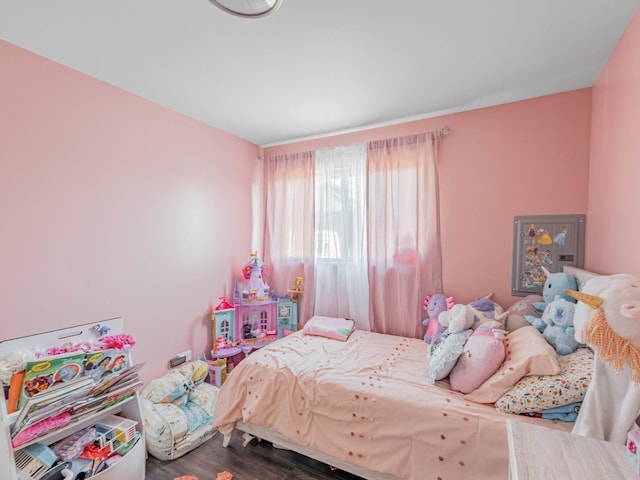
434	305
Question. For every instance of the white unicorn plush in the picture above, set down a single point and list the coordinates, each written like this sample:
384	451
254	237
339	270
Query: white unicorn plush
607	318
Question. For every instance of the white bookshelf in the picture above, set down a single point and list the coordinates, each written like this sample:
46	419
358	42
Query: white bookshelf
132	465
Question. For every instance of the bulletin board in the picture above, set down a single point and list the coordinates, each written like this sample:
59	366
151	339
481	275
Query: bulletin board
549	241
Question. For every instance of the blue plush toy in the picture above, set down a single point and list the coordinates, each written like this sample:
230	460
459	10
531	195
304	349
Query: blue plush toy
558	327
555	285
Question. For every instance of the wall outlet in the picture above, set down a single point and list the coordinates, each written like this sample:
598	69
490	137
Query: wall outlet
175	361
180	358
186	355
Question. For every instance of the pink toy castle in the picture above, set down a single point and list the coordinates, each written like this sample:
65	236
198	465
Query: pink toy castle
252	321
255	315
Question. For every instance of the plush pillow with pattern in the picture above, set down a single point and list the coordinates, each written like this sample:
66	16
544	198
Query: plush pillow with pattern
539	392
444	355
481	357
527	353
517	311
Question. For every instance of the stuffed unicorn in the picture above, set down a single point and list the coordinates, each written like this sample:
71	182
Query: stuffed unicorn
556	284
607	318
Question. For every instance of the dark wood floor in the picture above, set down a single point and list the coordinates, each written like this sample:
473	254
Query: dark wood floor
256	461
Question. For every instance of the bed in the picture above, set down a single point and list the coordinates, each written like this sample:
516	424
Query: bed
364	406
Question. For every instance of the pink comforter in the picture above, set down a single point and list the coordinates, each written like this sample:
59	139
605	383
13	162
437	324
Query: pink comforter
366	401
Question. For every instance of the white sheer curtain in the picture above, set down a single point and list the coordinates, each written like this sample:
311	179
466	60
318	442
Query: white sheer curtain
341	277
289	224
403	232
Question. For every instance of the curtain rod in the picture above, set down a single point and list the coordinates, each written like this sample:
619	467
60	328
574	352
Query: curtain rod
443	131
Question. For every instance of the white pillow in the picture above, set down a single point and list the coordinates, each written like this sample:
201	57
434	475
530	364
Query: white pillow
444	356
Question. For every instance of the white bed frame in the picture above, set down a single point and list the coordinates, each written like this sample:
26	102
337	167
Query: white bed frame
280	441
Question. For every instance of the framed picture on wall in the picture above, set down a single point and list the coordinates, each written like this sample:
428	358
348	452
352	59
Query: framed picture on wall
544	242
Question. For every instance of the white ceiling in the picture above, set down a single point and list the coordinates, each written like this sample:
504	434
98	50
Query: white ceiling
318	67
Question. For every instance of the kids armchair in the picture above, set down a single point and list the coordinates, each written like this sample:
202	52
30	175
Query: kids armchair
177	411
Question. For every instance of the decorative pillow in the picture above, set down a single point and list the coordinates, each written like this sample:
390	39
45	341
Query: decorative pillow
200	372
444	355
481	357
528	353
541	392
484	310
517	311
176	384
169	388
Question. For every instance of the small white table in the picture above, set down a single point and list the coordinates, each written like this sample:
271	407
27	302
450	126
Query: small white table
537	453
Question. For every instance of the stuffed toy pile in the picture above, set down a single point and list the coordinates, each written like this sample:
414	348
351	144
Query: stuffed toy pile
444	355
470	351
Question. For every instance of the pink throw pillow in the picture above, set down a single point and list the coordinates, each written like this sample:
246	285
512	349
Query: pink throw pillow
482	356
527	353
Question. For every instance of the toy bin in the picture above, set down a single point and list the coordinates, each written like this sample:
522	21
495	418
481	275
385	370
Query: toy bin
115	432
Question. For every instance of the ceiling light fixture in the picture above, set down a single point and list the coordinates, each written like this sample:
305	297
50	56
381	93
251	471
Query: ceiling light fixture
248	8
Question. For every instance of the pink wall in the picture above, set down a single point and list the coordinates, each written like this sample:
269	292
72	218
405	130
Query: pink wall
613	225
523	158
114	206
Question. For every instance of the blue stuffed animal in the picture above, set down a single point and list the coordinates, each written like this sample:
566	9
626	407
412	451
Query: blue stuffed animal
559	331
555	285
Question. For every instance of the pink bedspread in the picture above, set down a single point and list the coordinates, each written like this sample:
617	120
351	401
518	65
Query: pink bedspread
366	401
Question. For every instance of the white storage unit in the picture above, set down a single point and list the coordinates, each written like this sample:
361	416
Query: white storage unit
131	466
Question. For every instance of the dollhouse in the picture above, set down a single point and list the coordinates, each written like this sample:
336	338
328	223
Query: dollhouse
256	317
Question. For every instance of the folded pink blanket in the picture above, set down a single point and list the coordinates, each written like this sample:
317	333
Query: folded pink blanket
330	327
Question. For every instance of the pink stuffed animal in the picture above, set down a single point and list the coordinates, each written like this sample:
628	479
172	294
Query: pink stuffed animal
434	305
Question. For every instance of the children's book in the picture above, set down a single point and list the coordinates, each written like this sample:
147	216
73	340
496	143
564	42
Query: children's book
105	362
43	373
52	401
90	404
109	381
